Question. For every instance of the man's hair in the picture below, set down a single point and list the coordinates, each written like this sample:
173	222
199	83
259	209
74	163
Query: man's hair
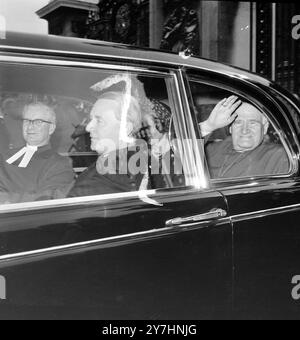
42	107
134	114
264	118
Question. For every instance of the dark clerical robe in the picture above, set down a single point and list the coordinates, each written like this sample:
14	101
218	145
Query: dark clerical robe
91	182
266	159
47	176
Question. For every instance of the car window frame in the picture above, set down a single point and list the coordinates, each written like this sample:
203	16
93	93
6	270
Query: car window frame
221	81
180	109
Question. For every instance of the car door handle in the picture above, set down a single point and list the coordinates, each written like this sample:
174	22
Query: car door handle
212	215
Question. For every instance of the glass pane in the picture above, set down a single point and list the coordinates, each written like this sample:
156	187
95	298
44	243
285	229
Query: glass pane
69	132
241	141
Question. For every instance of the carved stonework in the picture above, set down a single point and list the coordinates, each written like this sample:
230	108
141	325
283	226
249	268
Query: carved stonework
181	28
117	22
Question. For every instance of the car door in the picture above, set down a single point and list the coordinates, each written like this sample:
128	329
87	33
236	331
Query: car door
266	240
264	210
156	254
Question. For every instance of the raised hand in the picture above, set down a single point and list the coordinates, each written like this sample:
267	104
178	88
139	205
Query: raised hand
222	115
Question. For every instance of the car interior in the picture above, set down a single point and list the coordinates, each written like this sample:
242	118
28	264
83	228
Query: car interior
72	97
206	98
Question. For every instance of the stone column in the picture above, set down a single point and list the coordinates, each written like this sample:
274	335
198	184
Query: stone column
156	23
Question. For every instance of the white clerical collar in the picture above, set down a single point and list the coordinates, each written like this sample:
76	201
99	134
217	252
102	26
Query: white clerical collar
28	151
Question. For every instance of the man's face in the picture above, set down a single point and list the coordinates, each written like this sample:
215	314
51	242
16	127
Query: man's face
249	128
104	128
37	133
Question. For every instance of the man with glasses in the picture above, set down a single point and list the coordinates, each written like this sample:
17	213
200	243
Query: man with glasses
248	151
35	172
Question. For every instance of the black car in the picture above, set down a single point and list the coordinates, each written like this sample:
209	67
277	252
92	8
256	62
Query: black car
194	246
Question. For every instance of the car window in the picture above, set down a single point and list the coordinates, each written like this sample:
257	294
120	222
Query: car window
74	132
244	145
292	103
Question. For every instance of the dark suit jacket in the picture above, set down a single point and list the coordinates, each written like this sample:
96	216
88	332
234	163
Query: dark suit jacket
91	183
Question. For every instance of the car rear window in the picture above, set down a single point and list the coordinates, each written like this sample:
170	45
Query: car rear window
244	147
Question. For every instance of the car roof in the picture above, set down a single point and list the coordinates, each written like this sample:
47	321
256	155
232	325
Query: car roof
50	44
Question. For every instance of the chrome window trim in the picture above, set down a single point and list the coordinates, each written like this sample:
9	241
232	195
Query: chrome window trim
264	213
181	119
289	100
293	157
73	201
64	53
106	242
244	185
65	202
231	73
71	53
143	195
79	64
202	181
250	181
140	236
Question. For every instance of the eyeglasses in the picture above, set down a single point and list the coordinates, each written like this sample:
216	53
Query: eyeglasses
36	122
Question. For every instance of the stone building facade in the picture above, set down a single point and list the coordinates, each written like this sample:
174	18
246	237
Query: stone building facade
256	36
